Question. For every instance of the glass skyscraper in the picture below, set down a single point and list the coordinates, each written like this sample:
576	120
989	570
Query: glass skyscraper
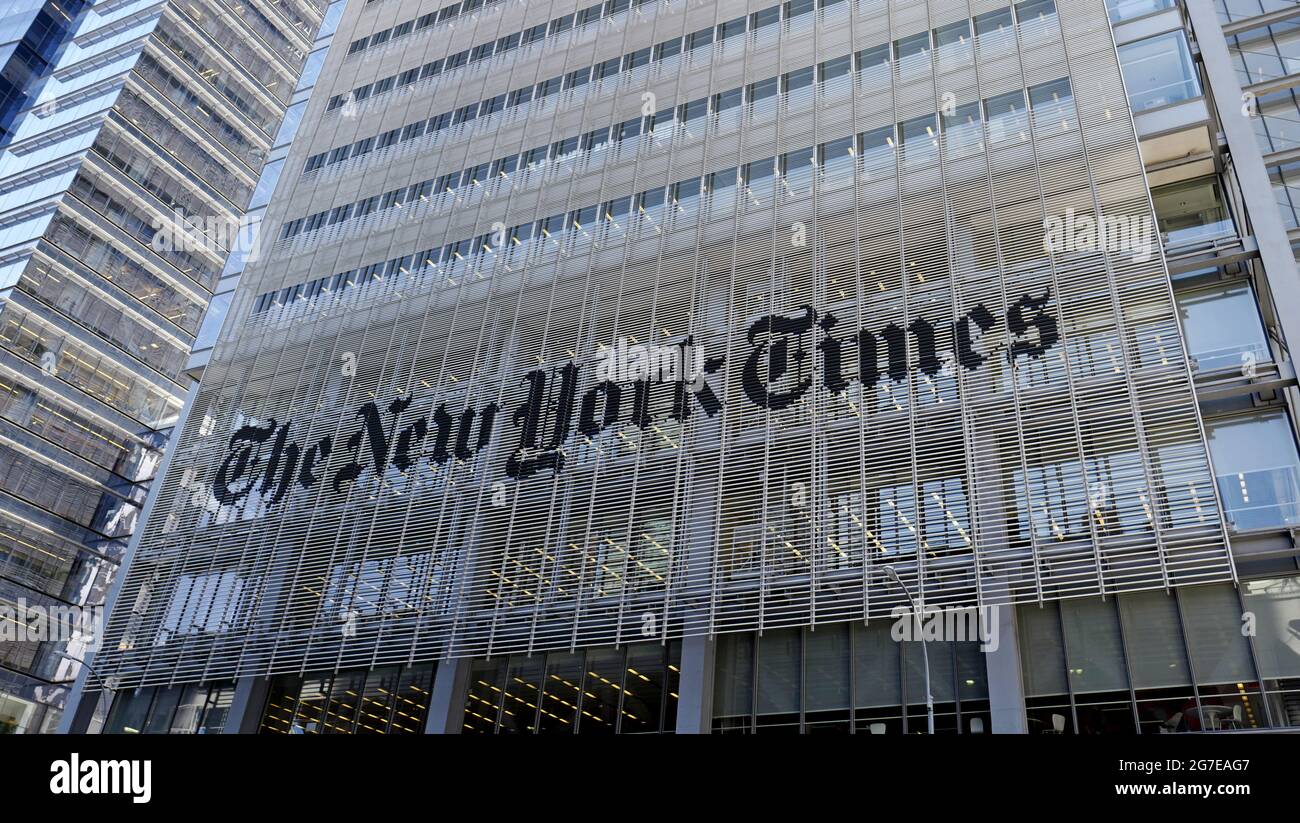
134	137
635	367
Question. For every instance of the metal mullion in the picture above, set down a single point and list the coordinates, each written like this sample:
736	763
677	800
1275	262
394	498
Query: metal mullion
1254	660
379	471
1121	330
467	574
388	581
435	542
963	400
283	525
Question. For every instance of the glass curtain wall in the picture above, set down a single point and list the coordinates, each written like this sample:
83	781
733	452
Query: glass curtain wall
844	678
1155	663
605	690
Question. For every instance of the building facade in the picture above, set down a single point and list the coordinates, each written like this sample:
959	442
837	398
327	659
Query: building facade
134	137
636	367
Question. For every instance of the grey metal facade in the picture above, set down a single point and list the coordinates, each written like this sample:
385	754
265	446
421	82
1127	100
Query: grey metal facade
898	372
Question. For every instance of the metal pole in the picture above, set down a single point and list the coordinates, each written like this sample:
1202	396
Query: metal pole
925	652
104	683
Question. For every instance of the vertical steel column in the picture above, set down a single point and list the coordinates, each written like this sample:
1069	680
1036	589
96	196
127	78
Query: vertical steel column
245	716
695	690
447	702
1248	161
1002	664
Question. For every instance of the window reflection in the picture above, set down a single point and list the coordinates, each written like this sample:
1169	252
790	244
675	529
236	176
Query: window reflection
387	700
1191	212
1222	327
602	690
1257	469
1159	71
845	678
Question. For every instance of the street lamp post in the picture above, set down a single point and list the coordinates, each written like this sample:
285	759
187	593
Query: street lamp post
925	652
91	670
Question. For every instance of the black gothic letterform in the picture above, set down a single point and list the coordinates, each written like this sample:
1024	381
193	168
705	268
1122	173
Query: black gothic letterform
777	355
241	461
321	452
610	392
529	416
284	451
1042	322
485	420
966	354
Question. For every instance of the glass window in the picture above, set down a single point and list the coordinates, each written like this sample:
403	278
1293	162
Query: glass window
1154	639
1032	10
628	129
778	694
731	28
1005	105
522	695
1191	211
796	161
827	668
560	24
727	100
130	709
649	199
696	39
643	689
917	44
994	22
1220	652
602	691
952	34
1159	71
561	694
758	170
1006	116
919	136
692	110
1053	93
1276	606
1222	327
797	79
876	143
942	676
1053	106
964	126
578	77
1094	653
616	210
1257	469
1042	651
872	57
668	48
837	67
1129	9
483	702
834	150
213	320
761	90
733	680
877	680
794	8
765	17
718	180
636	59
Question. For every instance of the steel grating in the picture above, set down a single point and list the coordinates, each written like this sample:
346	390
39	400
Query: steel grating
918	385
